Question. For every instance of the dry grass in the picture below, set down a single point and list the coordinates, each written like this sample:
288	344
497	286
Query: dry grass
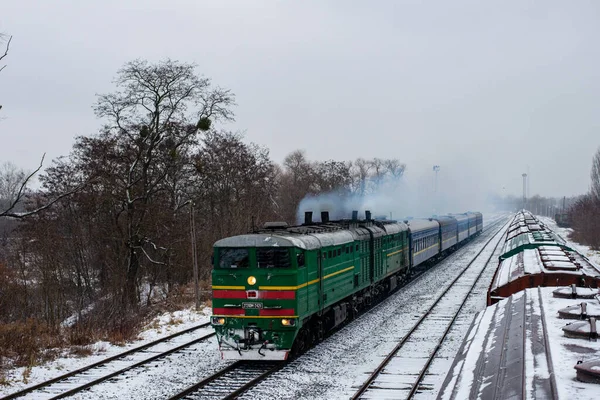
29	342
32	342
4	381
81	351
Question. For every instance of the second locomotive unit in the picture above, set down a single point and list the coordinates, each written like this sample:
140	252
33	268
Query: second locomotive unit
280	289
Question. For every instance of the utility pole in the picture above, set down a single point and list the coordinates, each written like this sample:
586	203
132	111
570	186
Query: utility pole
194	255
524	190
436	169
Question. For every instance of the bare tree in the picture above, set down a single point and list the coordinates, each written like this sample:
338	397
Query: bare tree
11	179
159	111
394	167
2	56
16	188
362	171
7	48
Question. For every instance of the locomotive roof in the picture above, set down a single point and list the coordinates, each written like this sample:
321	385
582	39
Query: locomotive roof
394	227
310	238
284	239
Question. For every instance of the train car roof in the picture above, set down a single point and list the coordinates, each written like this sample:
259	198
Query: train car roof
529	240
518	348
445	219
459	217
418	225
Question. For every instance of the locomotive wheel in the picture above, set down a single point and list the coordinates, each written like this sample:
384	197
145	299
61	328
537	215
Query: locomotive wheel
301	343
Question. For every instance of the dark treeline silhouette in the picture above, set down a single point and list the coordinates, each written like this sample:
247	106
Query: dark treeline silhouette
584	213
100	260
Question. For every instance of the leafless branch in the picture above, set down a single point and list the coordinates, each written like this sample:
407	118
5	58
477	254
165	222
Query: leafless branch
6	51
150	258
21	193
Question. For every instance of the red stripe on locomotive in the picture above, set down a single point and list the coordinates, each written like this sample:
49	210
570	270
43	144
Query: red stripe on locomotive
262	294
229	294
229	311
277	295
278	312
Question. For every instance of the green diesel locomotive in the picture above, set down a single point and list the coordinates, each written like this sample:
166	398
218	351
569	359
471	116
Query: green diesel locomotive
279	290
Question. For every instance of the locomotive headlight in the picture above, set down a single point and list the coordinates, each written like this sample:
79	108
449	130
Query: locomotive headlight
218	320
251	280
287	322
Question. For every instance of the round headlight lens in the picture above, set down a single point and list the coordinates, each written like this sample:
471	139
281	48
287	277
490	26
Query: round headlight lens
251	280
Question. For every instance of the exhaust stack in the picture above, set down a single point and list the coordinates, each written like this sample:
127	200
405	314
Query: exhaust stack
308	218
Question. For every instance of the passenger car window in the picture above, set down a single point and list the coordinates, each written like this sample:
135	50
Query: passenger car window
233	258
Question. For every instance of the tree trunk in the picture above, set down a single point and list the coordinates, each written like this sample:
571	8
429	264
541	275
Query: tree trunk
130	294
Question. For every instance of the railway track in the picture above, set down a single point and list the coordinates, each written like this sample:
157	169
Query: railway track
401	372
231	381
94	374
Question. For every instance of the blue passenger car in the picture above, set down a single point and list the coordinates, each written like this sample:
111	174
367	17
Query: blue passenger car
479	221
448	231
463	226
424	240
472	223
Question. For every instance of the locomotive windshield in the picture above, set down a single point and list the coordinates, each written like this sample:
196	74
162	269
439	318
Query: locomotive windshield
233	258
273	258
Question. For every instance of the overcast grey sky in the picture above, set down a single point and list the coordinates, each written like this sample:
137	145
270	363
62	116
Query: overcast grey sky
484	89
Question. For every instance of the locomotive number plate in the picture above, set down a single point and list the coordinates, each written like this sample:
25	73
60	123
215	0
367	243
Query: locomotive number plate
252	305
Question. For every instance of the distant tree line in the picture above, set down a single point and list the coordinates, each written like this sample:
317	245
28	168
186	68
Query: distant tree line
107	237
539	205
584	213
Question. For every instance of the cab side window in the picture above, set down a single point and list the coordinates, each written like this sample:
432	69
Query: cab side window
300	260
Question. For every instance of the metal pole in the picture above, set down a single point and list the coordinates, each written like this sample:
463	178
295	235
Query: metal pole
436	168
524	190
194	256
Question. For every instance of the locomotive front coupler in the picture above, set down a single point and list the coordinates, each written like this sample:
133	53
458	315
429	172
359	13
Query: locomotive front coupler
264	346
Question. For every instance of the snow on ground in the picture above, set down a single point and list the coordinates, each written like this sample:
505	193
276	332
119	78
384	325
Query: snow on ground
163	325
593	255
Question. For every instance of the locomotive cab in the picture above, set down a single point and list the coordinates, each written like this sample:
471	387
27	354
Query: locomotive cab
255	303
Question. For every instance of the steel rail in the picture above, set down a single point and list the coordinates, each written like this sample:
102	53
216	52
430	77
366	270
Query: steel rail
105	361
138	364
255	381
447	331
397	348
204	382
270	369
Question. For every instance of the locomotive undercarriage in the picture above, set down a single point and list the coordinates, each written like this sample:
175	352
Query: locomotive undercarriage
250	343
316	327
